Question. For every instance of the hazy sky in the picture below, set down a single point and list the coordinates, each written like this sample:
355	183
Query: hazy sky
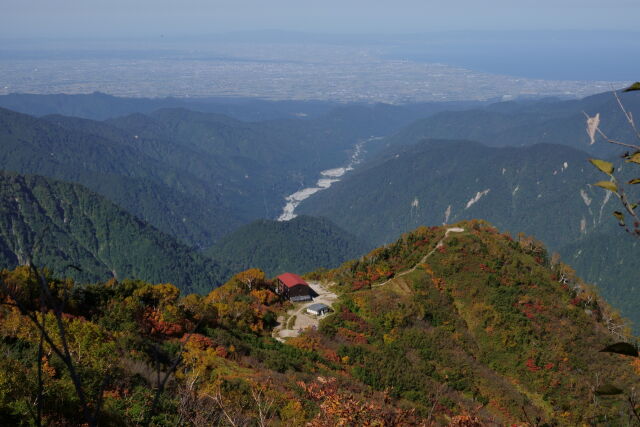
106	18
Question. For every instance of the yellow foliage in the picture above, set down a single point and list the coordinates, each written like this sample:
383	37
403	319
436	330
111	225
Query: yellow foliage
264	296
389	338
250	277
158	295
304	342
292	413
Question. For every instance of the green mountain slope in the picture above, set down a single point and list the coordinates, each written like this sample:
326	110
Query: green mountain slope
194	175
608	258
444	181
300	245
516	124
57	224
542	190
480	312
116	168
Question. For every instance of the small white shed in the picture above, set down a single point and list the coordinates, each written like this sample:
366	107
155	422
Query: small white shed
318	309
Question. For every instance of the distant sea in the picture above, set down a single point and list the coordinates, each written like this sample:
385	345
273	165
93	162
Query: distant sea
608	56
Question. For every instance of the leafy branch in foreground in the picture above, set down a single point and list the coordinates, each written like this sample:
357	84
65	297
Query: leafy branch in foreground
12	296
607	389
42	303
614	185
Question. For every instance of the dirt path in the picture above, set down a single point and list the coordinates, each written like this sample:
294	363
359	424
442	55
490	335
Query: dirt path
424	258
325	296
302	319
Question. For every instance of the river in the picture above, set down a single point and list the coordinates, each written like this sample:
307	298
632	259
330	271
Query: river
327	179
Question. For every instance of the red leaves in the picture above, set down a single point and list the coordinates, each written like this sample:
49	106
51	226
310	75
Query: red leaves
359	284
486	268
529	308
67	316
331	355
349	316
531	365
352	336
422	242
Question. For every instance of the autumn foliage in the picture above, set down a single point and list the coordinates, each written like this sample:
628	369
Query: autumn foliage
487	331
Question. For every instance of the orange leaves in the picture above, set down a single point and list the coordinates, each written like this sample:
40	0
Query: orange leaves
198	340
264	296
439	283
48	370
343	408
465	421
427	268
304	342
240	307
333	356
155	325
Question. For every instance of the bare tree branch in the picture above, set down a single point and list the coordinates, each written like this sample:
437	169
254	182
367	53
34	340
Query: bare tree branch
627	114
64	353
161	383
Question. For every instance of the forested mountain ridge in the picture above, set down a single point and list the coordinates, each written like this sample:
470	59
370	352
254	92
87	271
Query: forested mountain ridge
115	168
525	123
482	331
101	106
76	233
300	245
194	175
493	307
542	190
443	181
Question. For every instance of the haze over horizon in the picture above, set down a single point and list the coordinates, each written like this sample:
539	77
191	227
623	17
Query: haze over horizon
80	47
71	18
